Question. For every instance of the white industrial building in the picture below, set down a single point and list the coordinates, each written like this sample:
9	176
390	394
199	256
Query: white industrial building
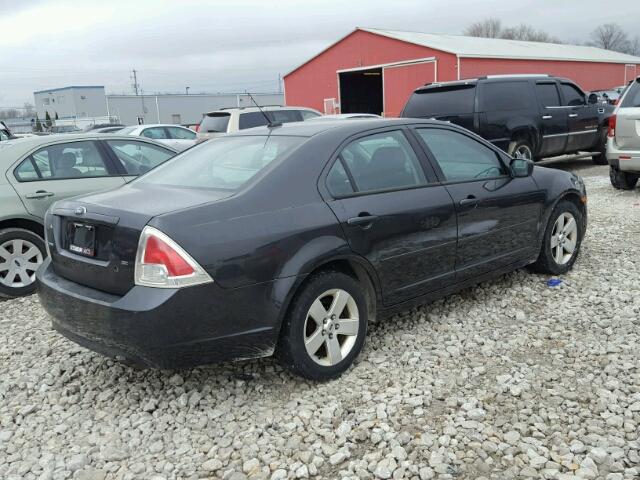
69	102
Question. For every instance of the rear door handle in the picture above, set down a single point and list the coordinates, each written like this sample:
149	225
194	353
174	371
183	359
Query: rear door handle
362	220
39	194
573	115
470	200
547	117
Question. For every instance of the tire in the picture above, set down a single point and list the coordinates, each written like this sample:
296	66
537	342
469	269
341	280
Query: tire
547	261
601	148
17	272
305	324
622	180
522	146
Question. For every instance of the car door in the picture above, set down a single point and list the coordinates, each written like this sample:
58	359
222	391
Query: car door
553	119
582	118
498	216
393	213
182	138
135	157
62	170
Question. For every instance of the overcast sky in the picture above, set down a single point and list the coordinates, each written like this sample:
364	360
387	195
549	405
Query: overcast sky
233	46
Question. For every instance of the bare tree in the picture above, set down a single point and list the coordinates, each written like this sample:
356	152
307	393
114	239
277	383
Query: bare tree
528	33
610	36
634	46
28	110
488	28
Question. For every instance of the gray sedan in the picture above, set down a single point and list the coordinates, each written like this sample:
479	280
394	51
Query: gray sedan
36	171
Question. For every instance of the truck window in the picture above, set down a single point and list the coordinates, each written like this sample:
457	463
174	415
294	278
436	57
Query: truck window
548	94
572	96
449	100
505	96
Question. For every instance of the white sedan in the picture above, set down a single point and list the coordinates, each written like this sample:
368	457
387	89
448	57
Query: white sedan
175	136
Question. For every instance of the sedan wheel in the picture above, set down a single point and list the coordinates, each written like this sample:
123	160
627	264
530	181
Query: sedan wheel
564	238
21	254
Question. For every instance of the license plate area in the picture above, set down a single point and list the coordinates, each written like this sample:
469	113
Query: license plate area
81	239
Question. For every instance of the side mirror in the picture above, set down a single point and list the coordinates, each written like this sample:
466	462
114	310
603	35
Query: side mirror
521	167
592	99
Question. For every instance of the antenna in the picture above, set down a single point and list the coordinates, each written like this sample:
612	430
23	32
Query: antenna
270	123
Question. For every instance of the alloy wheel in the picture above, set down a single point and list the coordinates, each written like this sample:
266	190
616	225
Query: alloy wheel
564	238
19	260
331	327
523	151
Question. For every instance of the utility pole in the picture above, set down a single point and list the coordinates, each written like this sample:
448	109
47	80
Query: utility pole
279	83
135	84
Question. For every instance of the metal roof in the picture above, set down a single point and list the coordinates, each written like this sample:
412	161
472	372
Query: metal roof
501	48
76	87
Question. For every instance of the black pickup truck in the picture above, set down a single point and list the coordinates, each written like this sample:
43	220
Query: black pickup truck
530	116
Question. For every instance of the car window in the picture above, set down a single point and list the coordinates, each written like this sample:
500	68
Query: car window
505	96
460	157
4	135
66	160
285	116
450	100
215	122
338	181
251	119
225	164
632	97
383	161
572	96
257	119
548	94
181	133
307	114
155	132
139	157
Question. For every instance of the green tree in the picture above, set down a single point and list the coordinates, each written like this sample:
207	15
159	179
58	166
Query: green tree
56	115
47	119
38	127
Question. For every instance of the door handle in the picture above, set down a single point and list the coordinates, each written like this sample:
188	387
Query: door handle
573	115
470	200
547	117
39	194
363	220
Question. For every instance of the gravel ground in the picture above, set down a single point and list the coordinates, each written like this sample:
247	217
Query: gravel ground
511	379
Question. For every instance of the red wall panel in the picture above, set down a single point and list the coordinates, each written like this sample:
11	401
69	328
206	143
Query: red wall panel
317	79
589	75
400	82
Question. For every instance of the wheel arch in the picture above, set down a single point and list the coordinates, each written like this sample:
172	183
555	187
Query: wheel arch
24	223
526	132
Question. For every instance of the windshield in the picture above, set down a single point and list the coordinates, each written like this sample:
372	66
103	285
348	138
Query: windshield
215	122
223	164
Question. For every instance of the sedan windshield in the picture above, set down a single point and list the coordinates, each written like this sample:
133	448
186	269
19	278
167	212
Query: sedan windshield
224	163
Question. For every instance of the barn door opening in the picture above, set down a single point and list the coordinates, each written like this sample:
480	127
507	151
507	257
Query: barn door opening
361	91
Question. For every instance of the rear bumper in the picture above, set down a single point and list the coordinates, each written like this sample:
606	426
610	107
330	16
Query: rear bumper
624	160
166	328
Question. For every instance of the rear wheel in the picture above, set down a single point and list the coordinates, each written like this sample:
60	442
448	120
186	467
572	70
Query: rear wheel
521	148
325	328
562	239
622	180
21	253
601	148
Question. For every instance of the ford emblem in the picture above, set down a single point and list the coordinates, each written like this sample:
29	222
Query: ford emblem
81	211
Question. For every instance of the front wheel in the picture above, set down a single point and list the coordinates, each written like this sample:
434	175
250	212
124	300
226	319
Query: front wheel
21	253
325	327
562	240
622	180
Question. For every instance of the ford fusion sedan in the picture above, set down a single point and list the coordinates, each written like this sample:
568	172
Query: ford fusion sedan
37	171
290	240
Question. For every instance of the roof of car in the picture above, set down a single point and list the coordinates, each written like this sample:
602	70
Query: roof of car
256	109
491	78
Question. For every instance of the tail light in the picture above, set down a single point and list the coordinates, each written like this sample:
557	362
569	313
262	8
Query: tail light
612	126
197	128
162	263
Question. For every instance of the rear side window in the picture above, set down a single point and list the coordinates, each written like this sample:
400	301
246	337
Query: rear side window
181	133
215	122
572	96
632	97
258	119
505	96
431	102
155	132
307	114
548	94
251	119
4	135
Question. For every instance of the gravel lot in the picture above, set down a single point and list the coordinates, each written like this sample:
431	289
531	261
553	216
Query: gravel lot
511	379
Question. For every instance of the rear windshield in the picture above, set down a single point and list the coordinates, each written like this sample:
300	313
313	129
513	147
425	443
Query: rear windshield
215	122
432	102
224	164
632	97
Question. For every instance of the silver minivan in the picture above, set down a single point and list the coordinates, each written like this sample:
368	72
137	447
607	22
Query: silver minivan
623	143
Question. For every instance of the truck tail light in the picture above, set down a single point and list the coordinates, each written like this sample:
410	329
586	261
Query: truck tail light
611	132
162	263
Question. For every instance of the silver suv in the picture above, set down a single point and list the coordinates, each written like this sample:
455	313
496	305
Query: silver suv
623	143
229	120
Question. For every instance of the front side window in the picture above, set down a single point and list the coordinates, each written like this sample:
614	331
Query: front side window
139	157
63	161
225	164
572	96
155	132
548	94
461	158
383	161
181	133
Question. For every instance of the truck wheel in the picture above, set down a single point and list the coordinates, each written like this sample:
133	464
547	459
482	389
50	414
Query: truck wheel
622	180
521	148
21	253
601	148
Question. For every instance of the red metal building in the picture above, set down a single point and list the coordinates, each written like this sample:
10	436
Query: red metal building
375	71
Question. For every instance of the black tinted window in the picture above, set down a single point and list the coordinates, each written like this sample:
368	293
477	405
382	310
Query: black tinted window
461	158
572	96
252	119
548	94
505	96
632	97
383	161
257	119
215	122
453	100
